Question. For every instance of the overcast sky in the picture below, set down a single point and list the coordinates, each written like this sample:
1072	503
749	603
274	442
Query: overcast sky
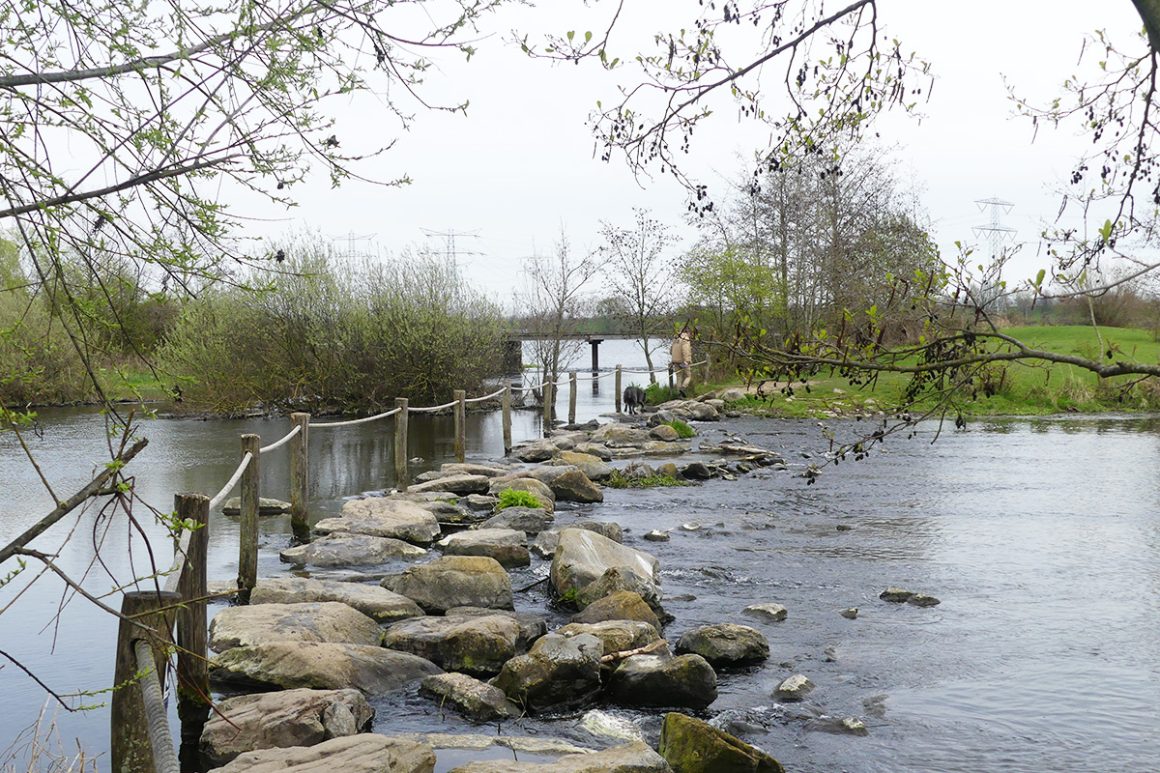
520	166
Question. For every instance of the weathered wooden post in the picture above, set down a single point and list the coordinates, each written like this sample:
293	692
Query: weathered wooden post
145	616
401	475
300	476
506	402
617	389
248	529
549	392
460	398
572	397
193	701
670	376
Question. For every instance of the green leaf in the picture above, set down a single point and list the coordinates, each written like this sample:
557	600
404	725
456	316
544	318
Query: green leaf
1106	230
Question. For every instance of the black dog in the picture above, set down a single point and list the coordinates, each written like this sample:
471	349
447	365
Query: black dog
633	399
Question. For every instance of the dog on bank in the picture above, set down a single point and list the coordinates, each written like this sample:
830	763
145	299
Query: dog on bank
633	399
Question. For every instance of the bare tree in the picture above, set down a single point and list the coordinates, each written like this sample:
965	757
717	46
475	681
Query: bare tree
641	274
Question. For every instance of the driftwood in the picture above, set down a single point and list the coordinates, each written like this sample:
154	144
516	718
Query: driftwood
648	649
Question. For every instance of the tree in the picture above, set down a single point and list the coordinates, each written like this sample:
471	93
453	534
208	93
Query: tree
640	274
555	299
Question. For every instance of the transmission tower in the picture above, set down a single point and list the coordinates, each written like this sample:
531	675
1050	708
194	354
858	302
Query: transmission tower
995	231
450	250
351	239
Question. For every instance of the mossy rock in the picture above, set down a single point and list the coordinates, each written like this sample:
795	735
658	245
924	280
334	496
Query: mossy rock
692	746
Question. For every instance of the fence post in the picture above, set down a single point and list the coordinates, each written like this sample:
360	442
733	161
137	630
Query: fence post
300	476
549	392
144	615
193	701
670	376
507	419
572	397
401	475
460	397
617	389
248	531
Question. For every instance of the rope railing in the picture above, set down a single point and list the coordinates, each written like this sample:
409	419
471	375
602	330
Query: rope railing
279	443
218	498
661	370
492	396
351	422
180	551
160	737
432	408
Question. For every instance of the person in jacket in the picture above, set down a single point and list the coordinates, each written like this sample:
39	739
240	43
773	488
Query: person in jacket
682	359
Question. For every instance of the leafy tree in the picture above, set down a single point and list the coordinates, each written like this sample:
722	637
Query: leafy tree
643	276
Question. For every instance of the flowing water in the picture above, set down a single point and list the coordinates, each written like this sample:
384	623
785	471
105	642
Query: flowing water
1041	538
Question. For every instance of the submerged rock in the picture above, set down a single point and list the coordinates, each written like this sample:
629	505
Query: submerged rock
769	612
923	600
793	688
454	581
266	506
692	746
895	595
300	717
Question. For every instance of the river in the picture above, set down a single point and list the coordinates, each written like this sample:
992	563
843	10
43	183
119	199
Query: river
1041	537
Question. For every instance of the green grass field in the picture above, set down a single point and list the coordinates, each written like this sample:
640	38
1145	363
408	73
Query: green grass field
1021	389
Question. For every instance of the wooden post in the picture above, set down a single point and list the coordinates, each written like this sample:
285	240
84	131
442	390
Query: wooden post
402	476
506	402
549	398
460	397
572	397
145	615
300	477
670	376
248	531
192	668
617	389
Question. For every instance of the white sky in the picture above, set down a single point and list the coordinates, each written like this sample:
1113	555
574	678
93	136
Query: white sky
520	166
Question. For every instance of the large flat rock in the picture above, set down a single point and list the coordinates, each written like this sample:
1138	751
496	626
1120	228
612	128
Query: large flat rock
636	757
346	549
323	666
454	581
507	546
372	600
384	517
474	645
275	720
365	753
456	484
311	621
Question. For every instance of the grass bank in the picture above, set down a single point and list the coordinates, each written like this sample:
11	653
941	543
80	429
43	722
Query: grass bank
1014	388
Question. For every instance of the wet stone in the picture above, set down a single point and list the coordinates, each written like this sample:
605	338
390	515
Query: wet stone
769	612
793	689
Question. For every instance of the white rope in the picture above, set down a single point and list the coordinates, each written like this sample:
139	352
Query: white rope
157	719
179	552
285	439
363	420
433	408
496	393
226	489
661	370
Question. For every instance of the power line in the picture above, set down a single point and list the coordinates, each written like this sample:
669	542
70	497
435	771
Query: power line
450	249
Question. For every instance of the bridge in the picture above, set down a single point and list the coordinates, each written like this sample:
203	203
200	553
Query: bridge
513	347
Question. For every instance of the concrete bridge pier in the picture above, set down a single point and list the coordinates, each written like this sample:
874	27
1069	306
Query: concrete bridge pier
595	343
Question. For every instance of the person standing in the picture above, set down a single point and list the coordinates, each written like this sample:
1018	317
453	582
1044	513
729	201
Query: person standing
682	359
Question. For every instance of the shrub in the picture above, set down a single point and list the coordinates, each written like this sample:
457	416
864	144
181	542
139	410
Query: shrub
655	394
619	481
684	431
516	498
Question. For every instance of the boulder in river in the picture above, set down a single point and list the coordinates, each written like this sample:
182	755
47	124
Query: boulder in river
384	517
692	746
557	673
345	549
476	700
530	485
635	757
615	635
568	483
658	681
725	644
530	520
507	546
473	645
540	450
266	506
456	484
311	621
768	612
364	753
923	600
595	468
793	688
372	600
268	720
325	666
583	556
619	579
454	581
532	626
622	605
664	432
896	595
